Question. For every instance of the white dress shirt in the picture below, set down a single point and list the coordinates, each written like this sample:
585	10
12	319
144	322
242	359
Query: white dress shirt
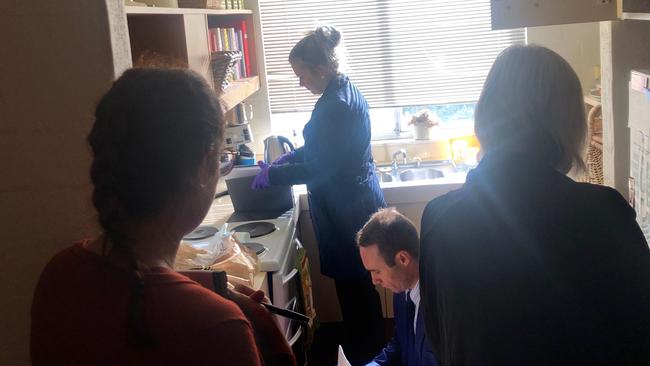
414	294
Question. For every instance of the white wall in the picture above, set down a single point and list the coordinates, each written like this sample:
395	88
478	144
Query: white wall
261	125
579	44
57	59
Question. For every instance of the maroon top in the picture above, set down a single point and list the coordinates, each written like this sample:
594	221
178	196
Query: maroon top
80	309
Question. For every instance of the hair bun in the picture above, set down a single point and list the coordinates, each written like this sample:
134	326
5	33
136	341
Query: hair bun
328	35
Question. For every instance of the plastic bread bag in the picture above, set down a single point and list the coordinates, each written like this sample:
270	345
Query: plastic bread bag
222	253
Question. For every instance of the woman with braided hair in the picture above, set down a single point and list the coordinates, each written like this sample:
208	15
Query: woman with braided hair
156	146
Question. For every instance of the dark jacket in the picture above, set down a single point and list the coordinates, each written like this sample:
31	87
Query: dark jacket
336	164
404	349
524	266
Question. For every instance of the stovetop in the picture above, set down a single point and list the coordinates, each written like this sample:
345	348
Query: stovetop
276	243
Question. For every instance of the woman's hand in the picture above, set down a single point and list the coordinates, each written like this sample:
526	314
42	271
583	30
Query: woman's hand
270	340
285	158
262	179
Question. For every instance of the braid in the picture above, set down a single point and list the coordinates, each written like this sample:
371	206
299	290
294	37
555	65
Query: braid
136	169
112	216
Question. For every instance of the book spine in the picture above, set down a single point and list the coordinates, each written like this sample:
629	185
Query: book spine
218	39
226	45
247	61
214	46
242	63
232	38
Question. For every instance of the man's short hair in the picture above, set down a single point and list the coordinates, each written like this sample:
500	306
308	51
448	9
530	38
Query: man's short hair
391	232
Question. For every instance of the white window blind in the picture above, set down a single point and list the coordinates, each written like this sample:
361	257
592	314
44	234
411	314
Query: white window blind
398	52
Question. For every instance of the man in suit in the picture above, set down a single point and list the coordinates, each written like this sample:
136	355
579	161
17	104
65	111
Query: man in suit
390	249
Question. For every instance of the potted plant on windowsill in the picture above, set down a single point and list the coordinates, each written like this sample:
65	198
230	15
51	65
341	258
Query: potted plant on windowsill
422	122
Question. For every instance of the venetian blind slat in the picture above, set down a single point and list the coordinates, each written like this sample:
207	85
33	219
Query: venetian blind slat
398	52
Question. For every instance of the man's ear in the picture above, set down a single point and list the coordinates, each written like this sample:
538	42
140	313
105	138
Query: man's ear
403	258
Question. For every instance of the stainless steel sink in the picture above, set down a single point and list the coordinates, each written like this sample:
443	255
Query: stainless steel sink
419	173
385	177
410	172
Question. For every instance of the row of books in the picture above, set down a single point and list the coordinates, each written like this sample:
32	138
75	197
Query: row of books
232	4
233	39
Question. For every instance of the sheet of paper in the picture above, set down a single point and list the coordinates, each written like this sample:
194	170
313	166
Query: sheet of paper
640	171
342	360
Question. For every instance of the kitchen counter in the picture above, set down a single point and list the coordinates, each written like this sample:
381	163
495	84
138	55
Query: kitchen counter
415	191
395	193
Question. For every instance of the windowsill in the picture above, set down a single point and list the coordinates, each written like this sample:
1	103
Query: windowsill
403	141
442	134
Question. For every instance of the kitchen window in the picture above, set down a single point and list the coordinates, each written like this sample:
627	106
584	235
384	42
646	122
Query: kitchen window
404	55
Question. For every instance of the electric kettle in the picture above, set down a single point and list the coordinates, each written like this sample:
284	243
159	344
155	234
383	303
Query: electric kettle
274	146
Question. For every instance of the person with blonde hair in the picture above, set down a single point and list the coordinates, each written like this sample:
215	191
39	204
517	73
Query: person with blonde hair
337	166
523	265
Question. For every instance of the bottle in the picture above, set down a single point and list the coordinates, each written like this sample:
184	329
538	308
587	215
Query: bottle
294	138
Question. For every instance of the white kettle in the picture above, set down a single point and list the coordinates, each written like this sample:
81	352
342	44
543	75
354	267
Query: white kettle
274	146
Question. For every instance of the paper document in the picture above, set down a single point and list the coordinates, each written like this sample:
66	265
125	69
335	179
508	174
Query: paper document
640	172
342	361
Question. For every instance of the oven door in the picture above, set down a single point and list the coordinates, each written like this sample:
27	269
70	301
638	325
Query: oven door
285	291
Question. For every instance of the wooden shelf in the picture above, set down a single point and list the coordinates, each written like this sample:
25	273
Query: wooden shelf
637	16
239	90
148	10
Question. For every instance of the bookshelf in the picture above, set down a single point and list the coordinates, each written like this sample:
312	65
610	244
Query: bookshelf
239	90
181	37
148	10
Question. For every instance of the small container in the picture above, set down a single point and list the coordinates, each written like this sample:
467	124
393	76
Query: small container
421	132
422	123
245	160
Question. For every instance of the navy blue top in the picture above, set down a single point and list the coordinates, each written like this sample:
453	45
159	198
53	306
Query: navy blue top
336	164
524	266
406	348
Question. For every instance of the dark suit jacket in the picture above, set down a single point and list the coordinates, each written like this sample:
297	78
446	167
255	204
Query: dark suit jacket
403	349
336	164
524	266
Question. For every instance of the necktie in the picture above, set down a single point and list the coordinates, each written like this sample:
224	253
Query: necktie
410	313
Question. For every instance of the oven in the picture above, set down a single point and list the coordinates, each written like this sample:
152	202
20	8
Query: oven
285	291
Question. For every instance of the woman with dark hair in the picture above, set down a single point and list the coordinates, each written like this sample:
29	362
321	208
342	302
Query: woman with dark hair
116	300
523	265
337	166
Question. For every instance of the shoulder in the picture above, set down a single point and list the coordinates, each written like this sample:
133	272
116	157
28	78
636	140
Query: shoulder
346	97
335	112
71	266
192	305
602	195
439	207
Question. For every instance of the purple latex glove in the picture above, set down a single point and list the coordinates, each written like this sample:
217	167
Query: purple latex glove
285	158
262	180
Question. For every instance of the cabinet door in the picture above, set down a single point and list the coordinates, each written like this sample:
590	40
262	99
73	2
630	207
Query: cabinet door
636	6
531	13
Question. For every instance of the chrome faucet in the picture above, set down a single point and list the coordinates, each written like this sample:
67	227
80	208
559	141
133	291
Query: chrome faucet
398	153
395	155
418	161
